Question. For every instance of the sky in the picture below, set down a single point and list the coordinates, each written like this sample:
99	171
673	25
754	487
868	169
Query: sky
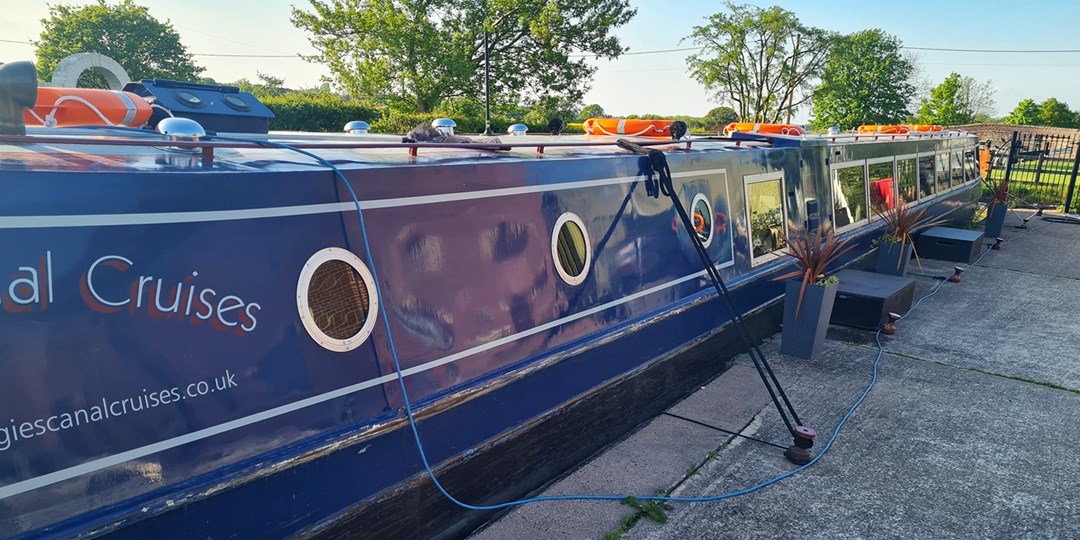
657	83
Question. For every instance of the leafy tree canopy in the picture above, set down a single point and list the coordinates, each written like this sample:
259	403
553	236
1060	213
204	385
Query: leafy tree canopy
720	116
866	80
145	47
268	85
1055	113
414	54
592	111
957	100
761	62
1048	113
1026	113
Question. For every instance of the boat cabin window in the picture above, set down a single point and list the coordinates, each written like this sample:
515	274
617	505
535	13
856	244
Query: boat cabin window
971	164
926	176
849	195
765	207
942	170
957	170
882	186
906	174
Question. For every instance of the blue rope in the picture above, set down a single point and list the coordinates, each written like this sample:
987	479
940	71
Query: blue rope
520	502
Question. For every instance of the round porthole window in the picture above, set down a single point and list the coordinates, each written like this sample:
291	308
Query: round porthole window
188	98
570	248
236	102
335	296
702	218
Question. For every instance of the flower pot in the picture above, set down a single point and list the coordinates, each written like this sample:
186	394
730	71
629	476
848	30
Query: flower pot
804	335
995	219
893	258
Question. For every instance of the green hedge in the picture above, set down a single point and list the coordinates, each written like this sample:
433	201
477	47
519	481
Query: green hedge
316	112
329	113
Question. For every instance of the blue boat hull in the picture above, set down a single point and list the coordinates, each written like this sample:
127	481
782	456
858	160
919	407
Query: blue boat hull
162	382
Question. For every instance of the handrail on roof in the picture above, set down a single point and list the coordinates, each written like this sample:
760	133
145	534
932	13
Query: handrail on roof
208	145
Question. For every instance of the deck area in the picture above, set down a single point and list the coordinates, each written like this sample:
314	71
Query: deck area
970	432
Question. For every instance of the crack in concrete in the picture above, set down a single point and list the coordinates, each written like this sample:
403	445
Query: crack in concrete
1019	378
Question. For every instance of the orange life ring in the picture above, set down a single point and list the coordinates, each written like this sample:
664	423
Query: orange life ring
924	127
771	129
61	107
883	128
699	222
627	126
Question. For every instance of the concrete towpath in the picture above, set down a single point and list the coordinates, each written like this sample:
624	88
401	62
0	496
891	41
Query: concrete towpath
970	432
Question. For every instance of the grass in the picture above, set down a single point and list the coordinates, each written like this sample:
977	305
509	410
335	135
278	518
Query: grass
654	510
1049	191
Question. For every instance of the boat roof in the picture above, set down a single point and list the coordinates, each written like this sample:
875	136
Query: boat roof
124	149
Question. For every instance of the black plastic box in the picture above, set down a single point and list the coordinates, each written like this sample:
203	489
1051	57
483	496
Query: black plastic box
214	107
948	244
864	299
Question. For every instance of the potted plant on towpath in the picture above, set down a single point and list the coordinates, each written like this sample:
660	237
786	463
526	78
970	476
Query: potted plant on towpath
997	207
808	300
897	244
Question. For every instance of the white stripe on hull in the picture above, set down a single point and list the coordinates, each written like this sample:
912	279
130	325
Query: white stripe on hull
104	220
143	451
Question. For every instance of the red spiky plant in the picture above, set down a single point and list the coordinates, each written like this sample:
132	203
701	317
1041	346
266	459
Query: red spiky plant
901	223
812	252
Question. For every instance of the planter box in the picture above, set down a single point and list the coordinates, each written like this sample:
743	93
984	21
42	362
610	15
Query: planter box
995	219
893	258
864	299
803	336
948	244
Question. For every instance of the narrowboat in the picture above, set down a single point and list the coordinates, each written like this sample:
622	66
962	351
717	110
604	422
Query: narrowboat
202	334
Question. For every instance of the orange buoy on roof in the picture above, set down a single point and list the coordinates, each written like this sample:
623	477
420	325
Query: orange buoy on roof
627	126
64	107
924	127
883	128
771	129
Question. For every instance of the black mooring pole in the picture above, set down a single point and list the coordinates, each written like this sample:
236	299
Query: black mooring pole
487	88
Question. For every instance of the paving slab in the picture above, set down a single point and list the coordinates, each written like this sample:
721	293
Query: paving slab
934	452
651	459
727	402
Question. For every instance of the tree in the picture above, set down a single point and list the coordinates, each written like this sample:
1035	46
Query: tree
145	47
720	116
760	61
1026	113
413	54
1055	113
978	97
956	101
592	111
268	85
866	80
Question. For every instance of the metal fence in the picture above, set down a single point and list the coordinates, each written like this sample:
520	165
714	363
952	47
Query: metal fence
1041	168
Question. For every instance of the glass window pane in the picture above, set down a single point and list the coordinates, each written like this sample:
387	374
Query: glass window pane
957	171
766	203
926	176
702	218
905	171
971	164
882	187
942	172
849	191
